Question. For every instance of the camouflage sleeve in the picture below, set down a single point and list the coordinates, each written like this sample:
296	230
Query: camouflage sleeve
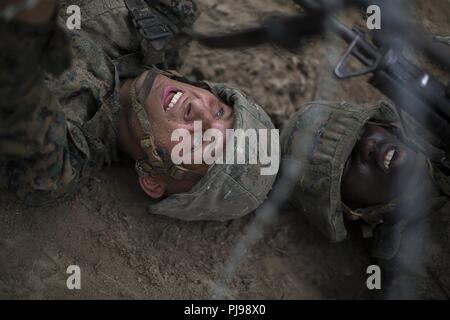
36	162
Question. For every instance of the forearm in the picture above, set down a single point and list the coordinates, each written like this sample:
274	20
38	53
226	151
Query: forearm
33	129
27	53
40	163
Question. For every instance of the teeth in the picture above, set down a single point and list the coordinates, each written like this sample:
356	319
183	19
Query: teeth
174	100
388	158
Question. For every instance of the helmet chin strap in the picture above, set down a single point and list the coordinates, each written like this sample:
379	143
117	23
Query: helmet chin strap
155	163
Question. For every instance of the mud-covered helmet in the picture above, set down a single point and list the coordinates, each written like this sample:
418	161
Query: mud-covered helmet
227	191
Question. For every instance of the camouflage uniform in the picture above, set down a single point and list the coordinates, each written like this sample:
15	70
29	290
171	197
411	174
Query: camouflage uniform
57	123
319	138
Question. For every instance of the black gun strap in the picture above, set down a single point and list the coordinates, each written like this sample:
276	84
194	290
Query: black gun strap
148	23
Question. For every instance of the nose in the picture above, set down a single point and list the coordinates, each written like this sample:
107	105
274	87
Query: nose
367	149
199	110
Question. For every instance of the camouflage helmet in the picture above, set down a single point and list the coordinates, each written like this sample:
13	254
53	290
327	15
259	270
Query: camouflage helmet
319	138
227	191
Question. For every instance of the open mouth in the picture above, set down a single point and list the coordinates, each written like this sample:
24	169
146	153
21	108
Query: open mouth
390	154
171	96
392	157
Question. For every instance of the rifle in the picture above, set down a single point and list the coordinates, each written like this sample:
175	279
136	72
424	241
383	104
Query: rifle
412	89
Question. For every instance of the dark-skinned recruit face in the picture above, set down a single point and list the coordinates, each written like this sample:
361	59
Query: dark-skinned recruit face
378	169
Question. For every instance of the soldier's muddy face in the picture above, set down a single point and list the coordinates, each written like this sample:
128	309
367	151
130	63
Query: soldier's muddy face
175	105
378	169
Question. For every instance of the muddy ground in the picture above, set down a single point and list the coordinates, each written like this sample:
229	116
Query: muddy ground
126	253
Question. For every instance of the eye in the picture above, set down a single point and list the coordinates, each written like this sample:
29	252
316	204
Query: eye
219	114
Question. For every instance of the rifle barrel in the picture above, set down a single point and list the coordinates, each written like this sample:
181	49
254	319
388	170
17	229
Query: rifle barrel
349	35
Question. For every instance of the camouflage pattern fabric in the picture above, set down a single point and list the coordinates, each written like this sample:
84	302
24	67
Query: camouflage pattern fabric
124	42
56	131
59	103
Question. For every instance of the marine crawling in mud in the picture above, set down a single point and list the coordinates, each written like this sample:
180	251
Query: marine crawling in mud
73	101
375	164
